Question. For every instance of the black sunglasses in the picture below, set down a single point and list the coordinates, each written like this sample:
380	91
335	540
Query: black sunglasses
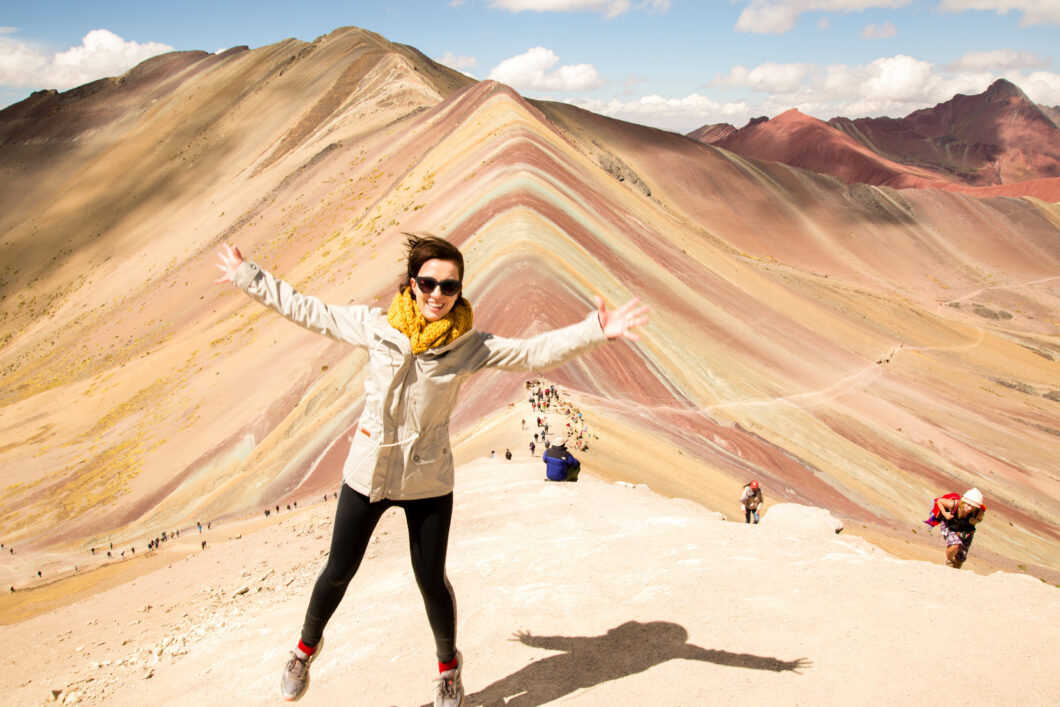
427	285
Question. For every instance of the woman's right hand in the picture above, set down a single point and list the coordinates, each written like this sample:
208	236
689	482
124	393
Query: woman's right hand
230	260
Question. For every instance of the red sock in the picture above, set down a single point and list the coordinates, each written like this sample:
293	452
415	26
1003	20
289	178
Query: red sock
306	649
451	665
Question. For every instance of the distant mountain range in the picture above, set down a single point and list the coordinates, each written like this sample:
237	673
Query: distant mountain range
998	142
849	346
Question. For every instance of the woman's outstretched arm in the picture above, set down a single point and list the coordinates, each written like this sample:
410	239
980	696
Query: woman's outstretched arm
553	348
345	323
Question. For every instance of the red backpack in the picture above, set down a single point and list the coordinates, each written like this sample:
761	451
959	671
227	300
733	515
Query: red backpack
936	515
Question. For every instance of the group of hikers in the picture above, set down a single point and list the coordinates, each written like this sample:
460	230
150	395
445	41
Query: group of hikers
421	349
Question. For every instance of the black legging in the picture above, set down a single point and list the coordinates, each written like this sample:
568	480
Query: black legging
428	522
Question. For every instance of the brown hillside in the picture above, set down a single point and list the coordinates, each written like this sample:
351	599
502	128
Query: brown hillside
853	347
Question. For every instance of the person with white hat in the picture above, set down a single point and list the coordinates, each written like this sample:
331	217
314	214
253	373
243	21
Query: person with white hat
560	464
960	516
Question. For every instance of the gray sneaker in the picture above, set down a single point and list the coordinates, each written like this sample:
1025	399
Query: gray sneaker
295	679
450	692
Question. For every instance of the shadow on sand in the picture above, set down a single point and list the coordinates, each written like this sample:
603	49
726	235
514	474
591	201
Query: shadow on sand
625	650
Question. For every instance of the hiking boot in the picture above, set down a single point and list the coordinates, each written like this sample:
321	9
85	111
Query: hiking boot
295	679
450	692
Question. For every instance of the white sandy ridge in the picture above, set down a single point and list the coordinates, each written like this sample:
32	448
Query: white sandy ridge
589	593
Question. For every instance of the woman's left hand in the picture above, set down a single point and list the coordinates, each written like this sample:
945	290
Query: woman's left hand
619	324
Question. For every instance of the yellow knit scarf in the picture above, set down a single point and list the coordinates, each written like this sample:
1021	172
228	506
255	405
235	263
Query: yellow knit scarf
407	318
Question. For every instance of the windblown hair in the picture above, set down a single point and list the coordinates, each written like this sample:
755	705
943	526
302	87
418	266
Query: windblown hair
425	246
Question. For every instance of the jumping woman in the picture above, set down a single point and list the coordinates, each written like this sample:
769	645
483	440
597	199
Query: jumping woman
420	351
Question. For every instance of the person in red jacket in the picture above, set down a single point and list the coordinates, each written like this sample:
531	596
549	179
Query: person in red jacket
751	499
958	518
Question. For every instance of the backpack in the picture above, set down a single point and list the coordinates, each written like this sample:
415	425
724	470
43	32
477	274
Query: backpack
936	515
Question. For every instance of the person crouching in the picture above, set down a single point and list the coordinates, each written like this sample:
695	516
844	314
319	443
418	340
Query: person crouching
560	464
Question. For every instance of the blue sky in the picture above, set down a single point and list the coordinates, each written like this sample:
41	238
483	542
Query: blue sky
675	64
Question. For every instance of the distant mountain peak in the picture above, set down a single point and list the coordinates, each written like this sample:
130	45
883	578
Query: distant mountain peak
1003	88
997	137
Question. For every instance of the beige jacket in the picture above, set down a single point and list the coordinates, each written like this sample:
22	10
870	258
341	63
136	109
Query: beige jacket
401	447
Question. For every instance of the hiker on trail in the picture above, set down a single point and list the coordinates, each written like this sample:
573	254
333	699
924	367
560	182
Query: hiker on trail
420	351
560	464
508	454
956	520
751	499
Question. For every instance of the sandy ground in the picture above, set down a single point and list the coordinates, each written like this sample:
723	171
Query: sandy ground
592	593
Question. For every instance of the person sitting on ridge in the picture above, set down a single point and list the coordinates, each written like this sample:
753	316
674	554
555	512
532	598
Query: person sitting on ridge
560	464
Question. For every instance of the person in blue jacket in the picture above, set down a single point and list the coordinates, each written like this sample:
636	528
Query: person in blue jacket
560	464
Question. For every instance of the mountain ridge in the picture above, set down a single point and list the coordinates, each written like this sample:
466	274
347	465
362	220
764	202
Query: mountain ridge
996	138
854	347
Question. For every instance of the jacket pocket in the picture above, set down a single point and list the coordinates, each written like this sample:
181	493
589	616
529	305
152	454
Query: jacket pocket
431	447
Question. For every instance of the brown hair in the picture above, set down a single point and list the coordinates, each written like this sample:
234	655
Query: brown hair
425	246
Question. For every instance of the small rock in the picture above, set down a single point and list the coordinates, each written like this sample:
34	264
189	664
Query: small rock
242	590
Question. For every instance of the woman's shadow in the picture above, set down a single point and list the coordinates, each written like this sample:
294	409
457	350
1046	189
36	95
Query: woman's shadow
625	650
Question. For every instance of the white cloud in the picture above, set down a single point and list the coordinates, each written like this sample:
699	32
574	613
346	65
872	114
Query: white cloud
767	18
999	59
1040	86
888	86
610	8
823	23
874	31
102	53
898	78
678	114
771	76
531	71
1035	12
654	6
779	16
460	63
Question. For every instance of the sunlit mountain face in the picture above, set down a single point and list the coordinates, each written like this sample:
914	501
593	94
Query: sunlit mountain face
851	346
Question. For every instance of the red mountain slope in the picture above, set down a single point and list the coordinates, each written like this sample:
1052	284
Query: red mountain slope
802	141
998	137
